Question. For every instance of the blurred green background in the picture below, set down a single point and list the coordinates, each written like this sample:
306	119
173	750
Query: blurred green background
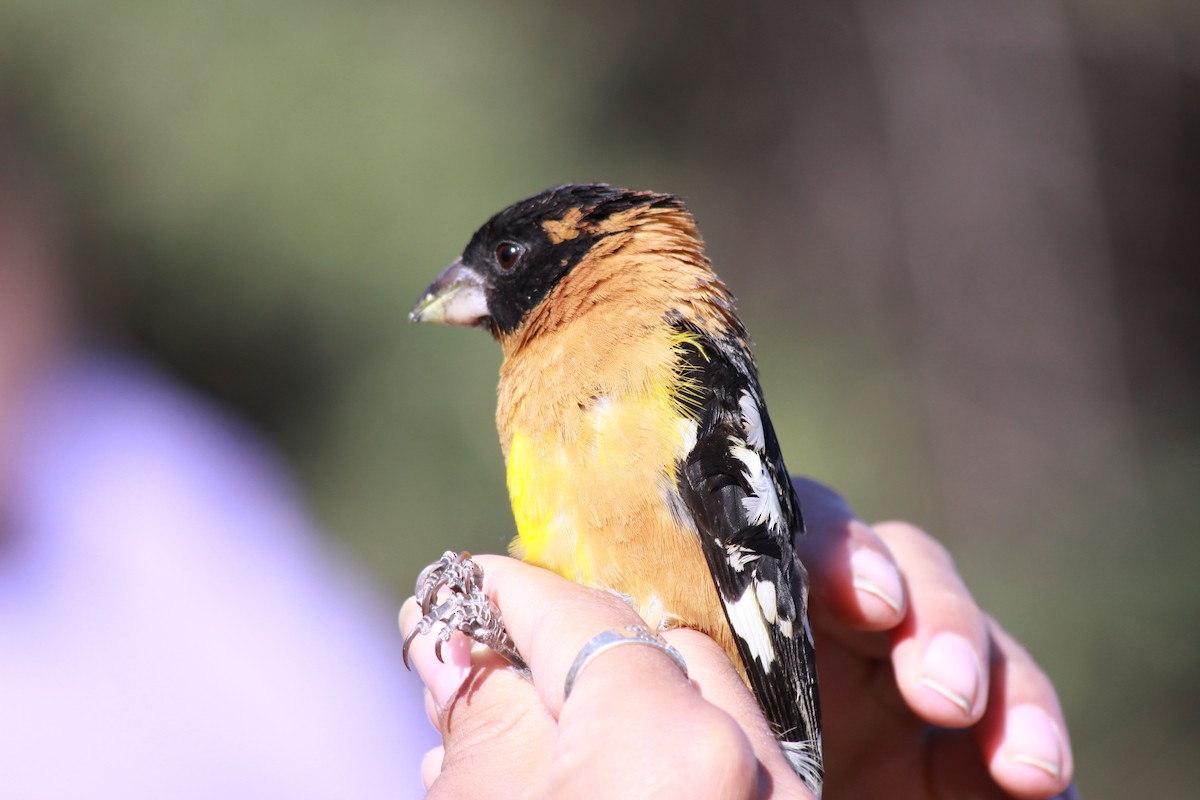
964	234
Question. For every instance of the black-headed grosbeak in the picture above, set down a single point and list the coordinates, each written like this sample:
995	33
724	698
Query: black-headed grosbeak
640	456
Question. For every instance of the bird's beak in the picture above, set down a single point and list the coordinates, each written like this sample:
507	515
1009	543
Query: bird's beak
456	297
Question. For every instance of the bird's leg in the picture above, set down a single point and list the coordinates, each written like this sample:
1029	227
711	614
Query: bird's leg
450	591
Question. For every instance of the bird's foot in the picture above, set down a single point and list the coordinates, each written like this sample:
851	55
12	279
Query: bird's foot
450	591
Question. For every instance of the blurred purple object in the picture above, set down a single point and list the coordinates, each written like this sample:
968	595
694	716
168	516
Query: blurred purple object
171	624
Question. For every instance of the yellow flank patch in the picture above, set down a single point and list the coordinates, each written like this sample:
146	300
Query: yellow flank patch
539	480
561	230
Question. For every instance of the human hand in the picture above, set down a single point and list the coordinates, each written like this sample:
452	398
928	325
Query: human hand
635	727
923	694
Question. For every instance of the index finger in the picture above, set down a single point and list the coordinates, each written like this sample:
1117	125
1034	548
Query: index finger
550	619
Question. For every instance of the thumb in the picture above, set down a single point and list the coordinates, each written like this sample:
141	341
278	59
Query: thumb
496	733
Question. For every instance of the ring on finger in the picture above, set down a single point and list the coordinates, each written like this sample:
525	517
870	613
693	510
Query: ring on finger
606	640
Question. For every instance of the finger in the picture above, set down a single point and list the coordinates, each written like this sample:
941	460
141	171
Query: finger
551	619
1023	733
957	769
718	682
495	730
431	710
498	739
1019	748
633	719
939	650
431	766
442	676
854	580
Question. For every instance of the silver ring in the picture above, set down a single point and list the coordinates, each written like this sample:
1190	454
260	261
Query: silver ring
606	640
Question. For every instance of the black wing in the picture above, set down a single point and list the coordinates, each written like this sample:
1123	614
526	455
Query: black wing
737	489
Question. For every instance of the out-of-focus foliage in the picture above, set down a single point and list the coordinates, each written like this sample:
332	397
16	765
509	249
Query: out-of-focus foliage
963	234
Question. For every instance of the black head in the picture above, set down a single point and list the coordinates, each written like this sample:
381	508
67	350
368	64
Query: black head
515	259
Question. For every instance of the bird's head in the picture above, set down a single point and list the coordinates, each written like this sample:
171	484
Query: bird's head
523	253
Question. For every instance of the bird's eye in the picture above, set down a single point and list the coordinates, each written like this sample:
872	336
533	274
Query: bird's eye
508	254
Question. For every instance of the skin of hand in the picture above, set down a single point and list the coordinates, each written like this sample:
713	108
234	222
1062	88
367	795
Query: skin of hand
923	694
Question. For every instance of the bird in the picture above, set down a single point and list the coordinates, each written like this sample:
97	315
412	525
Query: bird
640	458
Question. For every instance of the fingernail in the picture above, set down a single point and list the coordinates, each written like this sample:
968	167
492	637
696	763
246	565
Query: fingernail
445	677
442	677
877	576
951	669
1031	737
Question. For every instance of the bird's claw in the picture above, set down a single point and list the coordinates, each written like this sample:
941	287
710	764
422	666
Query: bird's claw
450	591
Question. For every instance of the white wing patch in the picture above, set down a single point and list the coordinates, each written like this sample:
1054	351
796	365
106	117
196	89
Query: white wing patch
765	590
752	422
762	505
746	620
739	556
